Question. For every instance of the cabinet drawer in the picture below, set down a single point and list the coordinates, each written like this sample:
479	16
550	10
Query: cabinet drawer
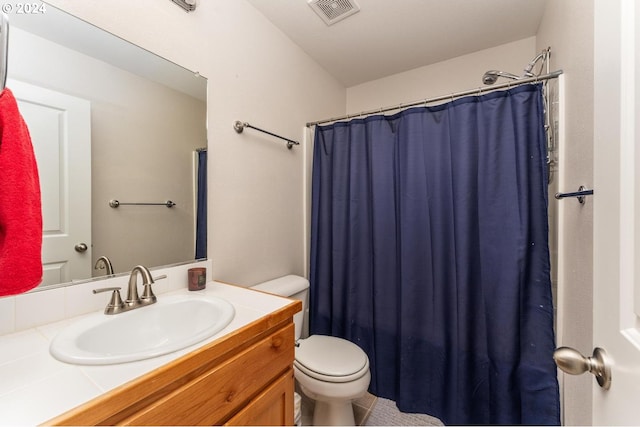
272	407
213	397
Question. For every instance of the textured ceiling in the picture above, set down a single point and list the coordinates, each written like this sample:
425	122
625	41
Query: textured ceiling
390	36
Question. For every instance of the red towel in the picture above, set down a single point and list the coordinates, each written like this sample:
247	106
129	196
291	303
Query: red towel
20	204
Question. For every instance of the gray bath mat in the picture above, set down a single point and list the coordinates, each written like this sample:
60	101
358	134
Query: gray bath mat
386	413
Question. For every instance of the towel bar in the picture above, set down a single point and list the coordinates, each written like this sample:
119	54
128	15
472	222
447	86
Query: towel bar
239	126
114	204
580	194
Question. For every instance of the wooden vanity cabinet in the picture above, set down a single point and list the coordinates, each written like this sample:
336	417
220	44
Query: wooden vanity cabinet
271	408
244	378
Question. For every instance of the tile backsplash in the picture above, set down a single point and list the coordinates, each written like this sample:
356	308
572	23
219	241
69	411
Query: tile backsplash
32	309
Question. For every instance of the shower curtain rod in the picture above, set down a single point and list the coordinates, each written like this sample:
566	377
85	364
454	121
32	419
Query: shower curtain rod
477	91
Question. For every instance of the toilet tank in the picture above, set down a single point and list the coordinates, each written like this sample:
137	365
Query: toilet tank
294	287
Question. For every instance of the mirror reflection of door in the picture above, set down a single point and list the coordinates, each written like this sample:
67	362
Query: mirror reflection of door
60	129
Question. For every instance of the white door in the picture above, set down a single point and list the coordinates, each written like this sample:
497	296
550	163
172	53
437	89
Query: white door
617	208
60	130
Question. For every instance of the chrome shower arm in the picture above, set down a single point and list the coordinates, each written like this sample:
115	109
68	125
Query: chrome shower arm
544	55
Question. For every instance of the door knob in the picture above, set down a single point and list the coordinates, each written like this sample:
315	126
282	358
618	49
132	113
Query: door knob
573	362
81	247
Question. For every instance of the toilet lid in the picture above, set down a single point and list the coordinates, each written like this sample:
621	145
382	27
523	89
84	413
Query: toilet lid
331	357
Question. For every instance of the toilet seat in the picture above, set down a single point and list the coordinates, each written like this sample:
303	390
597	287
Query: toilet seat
331	359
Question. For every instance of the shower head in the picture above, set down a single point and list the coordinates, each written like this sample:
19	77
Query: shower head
491	76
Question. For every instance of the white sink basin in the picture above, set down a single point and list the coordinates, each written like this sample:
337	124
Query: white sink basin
171	324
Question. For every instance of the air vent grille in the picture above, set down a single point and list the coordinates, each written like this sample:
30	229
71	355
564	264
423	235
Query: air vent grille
188	5
332	11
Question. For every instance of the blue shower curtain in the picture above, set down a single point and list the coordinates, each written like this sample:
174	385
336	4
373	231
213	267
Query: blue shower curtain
429	249
201	212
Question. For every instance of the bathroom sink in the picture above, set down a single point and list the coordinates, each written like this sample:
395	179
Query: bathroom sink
173	323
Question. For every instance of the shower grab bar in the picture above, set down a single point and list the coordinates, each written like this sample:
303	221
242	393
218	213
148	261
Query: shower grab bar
580	194
239	126
115	203
4	45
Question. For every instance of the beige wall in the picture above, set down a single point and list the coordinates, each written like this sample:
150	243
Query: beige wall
138	152
256	74
568	27
455	75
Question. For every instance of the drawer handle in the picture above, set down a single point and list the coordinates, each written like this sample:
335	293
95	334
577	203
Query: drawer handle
276	342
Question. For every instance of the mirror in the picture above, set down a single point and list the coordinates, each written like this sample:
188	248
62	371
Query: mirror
108	121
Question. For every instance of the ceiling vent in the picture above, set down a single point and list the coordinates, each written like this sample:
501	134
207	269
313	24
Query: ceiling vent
188	5
332	11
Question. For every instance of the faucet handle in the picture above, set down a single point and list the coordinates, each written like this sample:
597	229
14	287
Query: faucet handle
100	290
148	297
116	305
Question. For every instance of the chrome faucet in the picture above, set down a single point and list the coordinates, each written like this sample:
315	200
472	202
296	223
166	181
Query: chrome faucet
102	263
133	301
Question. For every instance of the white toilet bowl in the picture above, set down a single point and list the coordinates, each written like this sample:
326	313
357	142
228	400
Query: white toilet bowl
330	370
333	372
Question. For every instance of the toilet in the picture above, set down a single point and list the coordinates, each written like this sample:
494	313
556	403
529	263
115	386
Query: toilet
330	370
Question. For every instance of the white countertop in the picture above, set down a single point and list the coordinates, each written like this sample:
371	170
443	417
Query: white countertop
35	387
